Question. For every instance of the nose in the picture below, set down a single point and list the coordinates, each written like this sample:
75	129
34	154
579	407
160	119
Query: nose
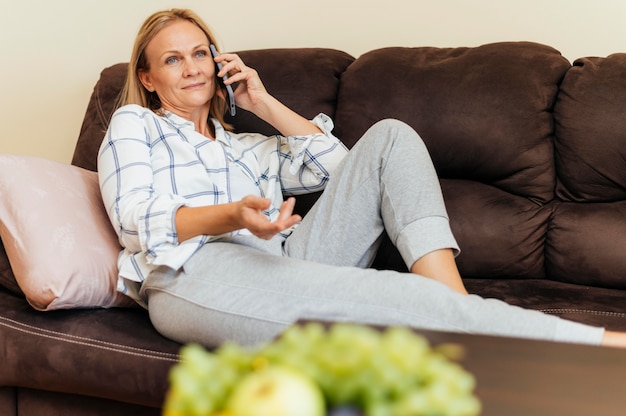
191	68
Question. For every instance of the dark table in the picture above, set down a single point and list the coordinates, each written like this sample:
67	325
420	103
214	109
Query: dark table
535	378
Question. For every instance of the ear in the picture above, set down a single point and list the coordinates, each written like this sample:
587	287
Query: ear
144	77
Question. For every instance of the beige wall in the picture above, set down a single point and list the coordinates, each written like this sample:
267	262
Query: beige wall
51	51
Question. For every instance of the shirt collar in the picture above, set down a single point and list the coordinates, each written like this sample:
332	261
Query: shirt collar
220	133
182	123
176	120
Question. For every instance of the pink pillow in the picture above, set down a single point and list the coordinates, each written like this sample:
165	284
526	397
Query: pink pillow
57	236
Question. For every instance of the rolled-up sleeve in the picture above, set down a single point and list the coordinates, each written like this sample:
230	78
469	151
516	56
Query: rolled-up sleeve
308	161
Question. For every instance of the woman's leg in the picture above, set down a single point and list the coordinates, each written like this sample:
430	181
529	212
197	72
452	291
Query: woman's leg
441	266
233	292
387	182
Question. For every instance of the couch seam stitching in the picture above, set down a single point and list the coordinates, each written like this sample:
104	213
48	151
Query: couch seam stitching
29	329
587	311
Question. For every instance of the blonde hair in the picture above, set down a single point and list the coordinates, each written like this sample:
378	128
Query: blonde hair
134	92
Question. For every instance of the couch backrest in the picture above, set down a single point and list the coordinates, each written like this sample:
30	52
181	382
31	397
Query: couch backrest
485	114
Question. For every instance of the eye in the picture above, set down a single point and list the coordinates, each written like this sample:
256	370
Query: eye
201	53
171	60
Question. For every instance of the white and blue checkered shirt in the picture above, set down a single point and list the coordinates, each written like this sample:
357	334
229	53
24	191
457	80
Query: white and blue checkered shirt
150	165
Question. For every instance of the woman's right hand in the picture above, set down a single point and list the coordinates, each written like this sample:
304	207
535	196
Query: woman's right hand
252	218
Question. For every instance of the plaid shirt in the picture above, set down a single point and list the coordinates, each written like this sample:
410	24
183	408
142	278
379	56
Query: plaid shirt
150	165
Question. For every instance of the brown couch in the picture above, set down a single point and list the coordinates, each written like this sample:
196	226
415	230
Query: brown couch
531	151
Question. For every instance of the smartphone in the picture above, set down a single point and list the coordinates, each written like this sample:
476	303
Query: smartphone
229	88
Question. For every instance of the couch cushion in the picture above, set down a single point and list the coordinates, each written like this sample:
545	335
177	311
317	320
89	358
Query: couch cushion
586	240
38	403
485	114
7	278
8	401
501	235
586	243
58	238
102	104
111	353
591	131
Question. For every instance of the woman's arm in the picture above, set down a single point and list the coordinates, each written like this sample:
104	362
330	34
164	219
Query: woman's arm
309	151
224	218
252	96
283	119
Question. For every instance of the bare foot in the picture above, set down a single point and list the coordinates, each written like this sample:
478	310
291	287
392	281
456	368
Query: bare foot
614	339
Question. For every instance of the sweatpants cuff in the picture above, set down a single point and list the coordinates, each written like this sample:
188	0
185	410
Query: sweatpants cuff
423	236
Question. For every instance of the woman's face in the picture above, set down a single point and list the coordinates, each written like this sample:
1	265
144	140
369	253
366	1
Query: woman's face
182	71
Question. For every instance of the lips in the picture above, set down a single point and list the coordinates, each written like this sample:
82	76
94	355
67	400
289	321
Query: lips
194	86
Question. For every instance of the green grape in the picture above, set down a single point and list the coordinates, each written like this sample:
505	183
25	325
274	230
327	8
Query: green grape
185	390
236	356
201	382
380	409
467	405
415	402
394	372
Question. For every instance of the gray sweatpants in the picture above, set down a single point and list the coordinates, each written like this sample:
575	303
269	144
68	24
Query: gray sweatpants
248	290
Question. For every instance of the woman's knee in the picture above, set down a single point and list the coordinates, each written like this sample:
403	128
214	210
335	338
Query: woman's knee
394	130
392	123
394	135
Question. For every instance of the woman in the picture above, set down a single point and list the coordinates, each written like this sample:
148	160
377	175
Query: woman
213	251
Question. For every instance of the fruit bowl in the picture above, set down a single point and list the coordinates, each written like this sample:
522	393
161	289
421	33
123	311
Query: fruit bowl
316	370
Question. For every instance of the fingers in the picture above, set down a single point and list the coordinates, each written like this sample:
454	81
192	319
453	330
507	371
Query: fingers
249	89
256	202
231	65
286	209
286	216
259	225
237	71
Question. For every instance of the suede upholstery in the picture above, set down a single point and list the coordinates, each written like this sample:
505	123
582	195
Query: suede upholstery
530	150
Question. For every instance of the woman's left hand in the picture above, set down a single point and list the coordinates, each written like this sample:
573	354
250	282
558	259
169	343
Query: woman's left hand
252	96
250	90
